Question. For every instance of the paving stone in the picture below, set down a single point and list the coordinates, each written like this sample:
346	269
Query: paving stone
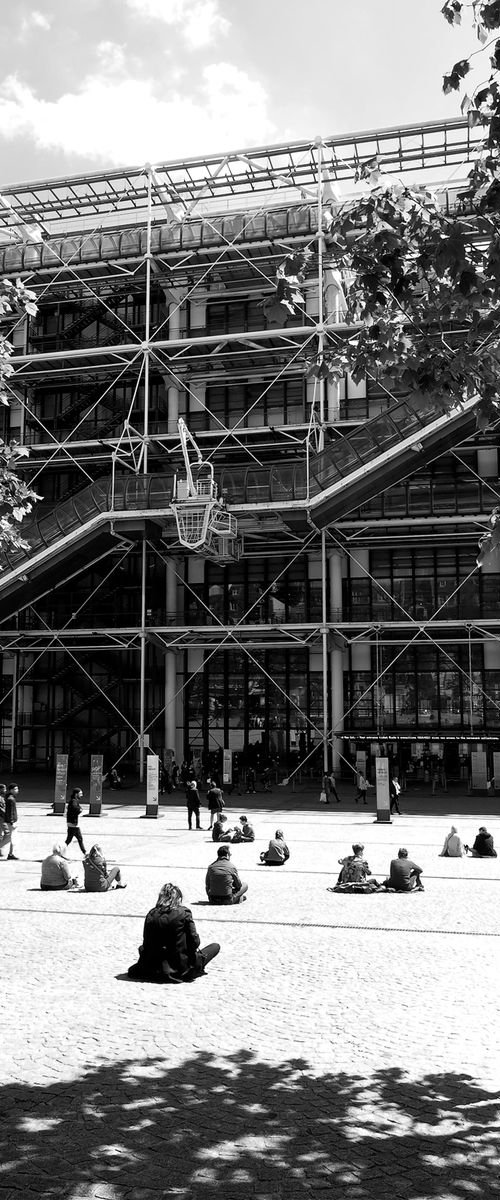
338	1044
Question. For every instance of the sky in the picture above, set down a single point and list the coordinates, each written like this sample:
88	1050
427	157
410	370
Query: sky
86	85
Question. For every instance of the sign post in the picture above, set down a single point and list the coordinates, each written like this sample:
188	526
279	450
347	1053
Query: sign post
95	791
479	772
60	785
227	768
152	785
382	785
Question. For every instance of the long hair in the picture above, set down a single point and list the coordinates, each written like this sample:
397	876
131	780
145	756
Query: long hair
170	897
95	854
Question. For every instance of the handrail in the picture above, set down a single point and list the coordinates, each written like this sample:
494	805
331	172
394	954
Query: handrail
274	484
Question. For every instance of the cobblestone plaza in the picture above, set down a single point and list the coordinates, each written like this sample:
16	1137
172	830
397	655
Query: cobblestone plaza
345	1045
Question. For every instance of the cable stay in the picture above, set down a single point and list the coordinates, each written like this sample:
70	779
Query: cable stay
203	523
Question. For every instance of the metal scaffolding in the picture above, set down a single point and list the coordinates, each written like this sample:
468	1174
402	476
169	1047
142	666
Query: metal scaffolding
157	243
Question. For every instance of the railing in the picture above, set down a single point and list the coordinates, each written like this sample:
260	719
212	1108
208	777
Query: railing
275	484
131	492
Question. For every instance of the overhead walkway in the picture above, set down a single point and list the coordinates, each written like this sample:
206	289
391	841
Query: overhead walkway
350	472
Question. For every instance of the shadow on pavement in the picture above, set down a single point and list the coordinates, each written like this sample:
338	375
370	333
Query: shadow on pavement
240	1127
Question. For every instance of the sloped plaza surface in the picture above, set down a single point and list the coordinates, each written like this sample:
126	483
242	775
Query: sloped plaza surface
340	1045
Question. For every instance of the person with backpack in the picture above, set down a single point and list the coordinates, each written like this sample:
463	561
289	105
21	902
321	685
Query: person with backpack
355	871
72	814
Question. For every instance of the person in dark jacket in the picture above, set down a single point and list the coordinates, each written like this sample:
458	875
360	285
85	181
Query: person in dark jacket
222	882
404	874
244	832
170	951
9	821
394	790
72	814
97	876
215	803
193	803
221	831
483	846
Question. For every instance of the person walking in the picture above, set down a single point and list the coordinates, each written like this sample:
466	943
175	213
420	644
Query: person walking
331	788
394	790
72	814
10	821
193	803
363	785
251	780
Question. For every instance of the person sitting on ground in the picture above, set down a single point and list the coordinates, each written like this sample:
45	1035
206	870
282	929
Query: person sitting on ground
222	883
244	831
97	876
452	847
221	831
56	875
277	852
483	846
215	802
404	875
355	872
170	951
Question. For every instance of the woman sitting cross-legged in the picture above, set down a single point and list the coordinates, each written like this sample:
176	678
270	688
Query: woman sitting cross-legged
452	847
97	876
277	852
170	951
355	874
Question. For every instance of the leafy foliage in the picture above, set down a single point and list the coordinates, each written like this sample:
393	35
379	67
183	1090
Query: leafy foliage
489	543
290	277
16	497
422	288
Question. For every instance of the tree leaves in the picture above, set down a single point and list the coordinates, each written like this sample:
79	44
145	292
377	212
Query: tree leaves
458	72
16	497
452	11
489	543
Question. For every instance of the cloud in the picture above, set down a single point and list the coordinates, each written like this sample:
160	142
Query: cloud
199	21
34	20
125	122
111	57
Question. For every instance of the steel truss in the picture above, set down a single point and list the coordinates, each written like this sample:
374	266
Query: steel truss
189	200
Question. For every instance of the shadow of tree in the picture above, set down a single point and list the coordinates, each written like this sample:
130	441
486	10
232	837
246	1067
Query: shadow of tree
240	1127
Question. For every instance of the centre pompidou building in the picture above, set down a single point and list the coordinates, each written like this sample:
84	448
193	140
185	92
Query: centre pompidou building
231	551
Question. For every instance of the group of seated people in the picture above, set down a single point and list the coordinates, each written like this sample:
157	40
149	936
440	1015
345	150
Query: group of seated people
483	845
404	874
57	875
355	875
277	852
170	950
222	832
